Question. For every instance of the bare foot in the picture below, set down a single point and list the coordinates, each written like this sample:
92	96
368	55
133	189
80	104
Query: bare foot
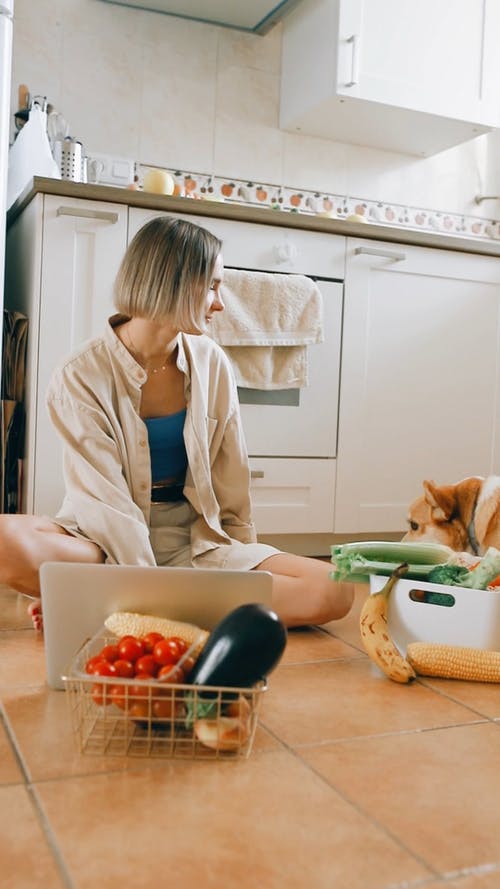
35	612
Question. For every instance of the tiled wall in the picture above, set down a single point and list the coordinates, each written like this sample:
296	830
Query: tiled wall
185	95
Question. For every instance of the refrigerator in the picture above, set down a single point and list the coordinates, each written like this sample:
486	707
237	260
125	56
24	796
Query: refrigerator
6	15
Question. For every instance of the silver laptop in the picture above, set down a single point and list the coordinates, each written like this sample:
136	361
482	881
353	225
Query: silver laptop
77	598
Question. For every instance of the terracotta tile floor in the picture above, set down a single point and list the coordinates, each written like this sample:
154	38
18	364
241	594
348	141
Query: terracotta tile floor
354	782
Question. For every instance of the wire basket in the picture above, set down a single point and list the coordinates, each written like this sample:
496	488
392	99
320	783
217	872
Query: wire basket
129	717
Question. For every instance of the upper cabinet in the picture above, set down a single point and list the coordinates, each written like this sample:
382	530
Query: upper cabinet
416	78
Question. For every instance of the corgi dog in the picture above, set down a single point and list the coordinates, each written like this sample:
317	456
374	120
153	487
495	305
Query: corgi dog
464	516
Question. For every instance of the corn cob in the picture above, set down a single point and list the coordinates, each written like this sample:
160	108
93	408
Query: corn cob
454	661
122	623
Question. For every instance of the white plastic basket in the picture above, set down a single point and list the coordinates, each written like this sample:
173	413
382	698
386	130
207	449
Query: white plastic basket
432	612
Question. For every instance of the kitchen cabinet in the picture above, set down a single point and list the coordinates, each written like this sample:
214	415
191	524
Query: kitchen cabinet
416	78
420	378
62	258
405	386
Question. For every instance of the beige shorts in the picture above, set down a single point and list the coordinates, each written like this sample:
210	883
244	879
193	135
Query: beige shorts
170	535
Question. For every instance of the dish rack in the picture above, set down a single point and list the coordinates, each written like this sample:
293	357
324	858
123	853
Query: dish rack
113	716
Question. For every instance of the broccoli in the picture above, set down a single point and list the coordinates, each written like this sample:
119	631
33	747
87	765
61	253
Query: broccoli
477	579
450	575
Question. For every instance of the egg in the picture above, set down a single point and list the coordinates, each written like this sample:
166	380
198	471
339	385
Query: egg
158	182
355	217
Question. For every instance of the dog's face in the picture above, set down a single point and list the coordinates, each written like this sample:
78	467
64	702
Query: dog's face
432	518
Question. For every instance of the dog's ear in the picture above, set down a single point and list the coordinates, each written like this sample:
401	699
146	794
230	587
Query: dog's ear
441	499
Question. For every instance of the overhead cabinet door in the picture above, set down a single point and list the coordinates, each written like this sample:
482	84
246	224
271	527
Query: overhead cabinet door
411	77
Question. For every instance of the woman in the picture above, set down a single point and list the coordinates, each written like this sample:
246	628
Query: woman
155	465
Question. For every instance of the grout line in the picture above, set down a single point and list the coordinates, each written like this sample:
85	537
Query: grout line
50	838
13	743
324	660
447	876
473	871
417	883
379	735
426	683
373	821
42	819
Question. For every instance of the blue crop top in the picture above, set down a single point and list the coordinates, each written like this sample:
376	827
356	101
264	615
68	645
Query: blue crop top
167	448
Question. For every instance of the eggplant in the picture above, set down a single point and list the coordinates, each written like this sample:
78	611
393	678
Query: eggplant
242	649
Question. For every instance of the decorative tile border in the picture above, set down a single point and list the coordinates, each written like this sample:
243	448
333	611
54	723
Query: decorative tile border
202	186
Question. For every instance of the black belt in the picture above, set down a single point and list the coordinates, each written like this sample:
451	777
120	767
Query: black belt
167	493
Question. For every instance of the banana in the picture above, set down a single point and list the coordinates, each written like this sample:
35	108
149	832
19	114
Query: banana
375	634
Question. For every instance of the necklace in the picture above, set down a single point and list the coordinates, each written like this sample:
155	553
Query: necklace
152	370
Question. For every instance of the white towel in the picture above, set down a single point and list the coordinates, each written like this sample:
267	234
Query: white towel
269	367
264	309
268	321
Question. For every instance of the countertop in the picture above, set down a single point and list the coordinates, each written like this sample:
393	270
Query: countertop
247	213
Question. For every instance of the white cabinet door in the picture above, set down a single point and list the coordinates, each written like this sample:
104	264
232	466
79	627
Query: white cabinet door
411	77
83	243
420	378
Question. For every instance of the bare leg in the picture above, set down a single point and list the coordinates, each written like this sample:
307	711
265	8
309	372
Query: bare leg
26	542
303	592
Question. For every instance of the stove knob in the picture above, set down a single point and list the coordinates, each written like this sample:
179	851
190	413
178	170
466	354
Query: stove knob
285	252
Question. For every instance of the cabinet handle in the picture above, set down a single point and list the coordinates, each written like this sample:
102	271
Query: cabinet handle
257	473
104	215
396	255
354	39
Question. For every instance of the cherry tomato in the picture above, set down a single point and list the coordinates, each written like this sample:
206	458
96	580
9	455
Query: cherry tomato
150	640
110	653
100	694
181	643
118	696
167	708
124	668
188	664
171	673
130	648
166	652
139	690
103	668
91	663
139	710
146	664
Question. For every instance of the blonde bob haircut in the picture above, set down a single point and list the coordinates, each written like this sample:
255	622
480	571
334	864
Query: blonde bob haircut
166	273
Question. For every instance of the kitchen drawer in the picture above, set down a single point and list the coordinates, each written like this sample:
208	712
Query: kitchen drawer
293	496
269	248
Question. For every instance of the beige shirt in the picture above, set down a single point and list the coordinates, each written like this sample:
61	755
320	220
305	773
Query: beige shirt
93	400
